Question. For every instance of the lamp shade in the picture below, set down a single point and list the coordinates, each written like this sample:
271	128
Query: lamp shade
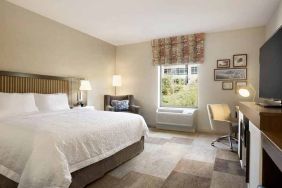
85	85
244	92
117	80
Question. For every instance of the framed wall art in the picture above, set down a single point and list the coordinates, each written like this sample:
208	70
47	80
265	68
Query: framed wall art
240	60
230	74
223	63
227	85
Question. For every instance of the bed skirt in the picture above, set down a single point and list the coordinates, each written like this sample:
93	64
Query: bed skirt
89	174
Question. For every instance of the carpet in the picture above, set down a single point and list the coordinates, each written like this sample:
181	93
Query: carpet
178	160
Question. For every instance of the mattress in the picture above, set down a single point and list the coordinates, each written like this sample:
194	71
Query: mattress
43	149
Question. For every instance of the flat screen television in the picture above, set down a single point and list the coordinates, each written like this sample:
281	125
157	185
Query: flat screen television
270	83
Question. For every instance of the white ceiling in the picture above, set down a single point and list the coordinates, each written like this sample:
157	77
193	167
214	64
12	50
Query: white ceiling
130	21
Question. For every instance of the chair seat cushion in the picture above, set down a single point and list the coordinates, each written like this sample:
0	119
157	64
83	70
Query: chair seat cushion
120	105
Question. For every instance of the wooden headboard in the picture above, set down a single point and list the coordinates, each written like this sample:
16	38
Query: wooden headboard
14	82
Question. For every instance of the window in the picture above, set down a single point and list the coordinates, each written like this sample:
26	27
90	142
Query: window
176	71
179	86
194	70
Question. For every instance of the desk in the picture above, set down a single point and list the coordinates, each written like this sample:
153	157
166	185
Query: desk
265	144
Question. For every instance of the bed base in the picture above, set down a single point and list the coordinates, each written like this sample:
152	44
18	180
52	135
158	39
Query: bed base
89	174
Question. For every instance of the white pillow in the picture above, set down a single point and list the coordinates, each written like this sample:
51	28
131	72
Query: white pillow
51	102
16	104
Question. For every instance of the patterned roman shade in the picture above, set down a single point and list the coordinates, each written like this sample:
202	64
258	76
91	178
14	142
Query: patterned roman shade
179	50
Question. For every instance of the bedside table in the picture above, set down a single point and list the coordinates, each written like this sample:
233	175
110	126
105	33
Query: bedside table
84	107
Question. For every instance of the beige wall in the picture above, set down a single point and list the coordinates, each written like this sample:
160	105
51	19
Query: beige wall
139	77
134	63
275	22
224	45
34	44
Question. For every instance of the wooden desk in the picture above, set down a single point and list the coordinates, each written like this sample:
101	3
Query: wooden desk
268	120
265	126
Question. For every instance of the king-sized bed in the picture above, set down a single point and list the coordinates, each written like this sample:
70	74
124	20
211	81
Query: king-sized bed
62	147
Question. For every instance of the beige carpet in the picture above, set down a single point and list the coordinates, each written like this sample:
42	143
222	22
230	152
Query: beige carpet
173	159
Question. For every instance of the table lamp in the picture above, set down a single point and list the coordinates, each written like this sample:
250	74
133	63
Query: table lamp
117	82
84	86
245	91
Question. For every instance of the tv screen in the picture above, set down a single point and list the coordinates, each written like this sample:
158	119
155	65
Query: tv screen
270	83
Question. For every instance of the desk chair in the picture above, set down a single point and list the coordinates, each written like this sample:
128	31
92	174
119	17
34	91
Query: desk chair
220	115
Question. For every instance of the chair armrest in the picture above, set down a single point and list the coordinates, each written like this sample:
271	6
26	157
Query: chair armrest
134	109
110	108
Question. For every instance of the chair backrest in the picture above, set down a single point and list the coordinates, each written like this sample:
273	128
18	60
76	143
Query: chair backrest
108	99
219	112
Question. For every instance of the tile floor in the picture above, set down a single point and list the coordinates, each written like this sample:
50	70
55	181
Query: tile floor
178	160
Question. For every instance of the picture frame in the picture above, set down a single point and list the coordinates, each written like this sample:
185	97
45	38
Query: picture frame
239	84
223	63
230	74
227	85
240	60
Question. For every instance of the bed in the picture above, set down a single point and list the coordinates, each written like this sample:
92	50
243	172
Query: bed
64	148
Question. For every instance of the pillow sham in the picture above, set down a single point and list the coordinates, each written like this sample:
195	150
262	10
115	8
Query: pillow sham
16	104
122	105
51	102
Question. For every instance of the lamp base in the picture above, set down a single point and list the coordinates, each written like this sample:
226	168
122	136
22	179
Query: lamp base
80	103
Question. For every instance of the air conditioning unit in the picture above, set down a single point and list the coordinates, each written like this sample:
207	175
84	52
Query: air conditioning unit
177	119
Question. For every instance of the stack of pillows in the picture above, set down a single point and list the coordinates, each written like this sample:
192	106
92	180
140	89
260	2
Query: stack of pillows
25	103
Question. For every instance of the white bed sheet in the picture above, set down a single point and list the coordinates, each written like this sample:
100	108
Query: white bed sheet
43	149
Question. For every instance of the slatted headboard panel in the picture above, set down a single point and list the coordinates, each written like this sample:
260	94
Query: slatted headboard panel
13	82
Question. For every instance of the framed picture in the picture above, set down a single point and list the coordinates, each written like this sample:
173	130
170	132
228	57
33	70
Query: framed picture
230	74
239	84
223	63
227	85
240	60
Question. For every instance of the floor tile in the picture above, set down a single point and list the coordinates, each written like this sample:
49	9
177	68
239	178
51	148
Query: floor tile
179	140
203	140
227	155
201	153
175	149
227	166
181	180
159	163
106	182
196	168
224	180
139	180
169	134
156	140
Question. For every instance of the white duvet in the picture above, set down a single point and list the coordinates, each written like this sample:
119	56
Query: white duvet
42	150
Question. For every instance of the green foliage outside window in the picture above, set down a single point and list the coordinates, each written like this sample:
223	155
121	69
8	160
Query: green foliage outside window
178	93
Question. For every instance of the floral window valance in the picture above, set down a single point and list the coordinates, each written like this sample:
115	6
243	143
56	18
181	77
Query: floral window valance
179	50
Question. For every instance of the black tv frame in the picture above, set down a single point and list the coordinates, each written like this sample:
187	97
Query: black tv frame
271	102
